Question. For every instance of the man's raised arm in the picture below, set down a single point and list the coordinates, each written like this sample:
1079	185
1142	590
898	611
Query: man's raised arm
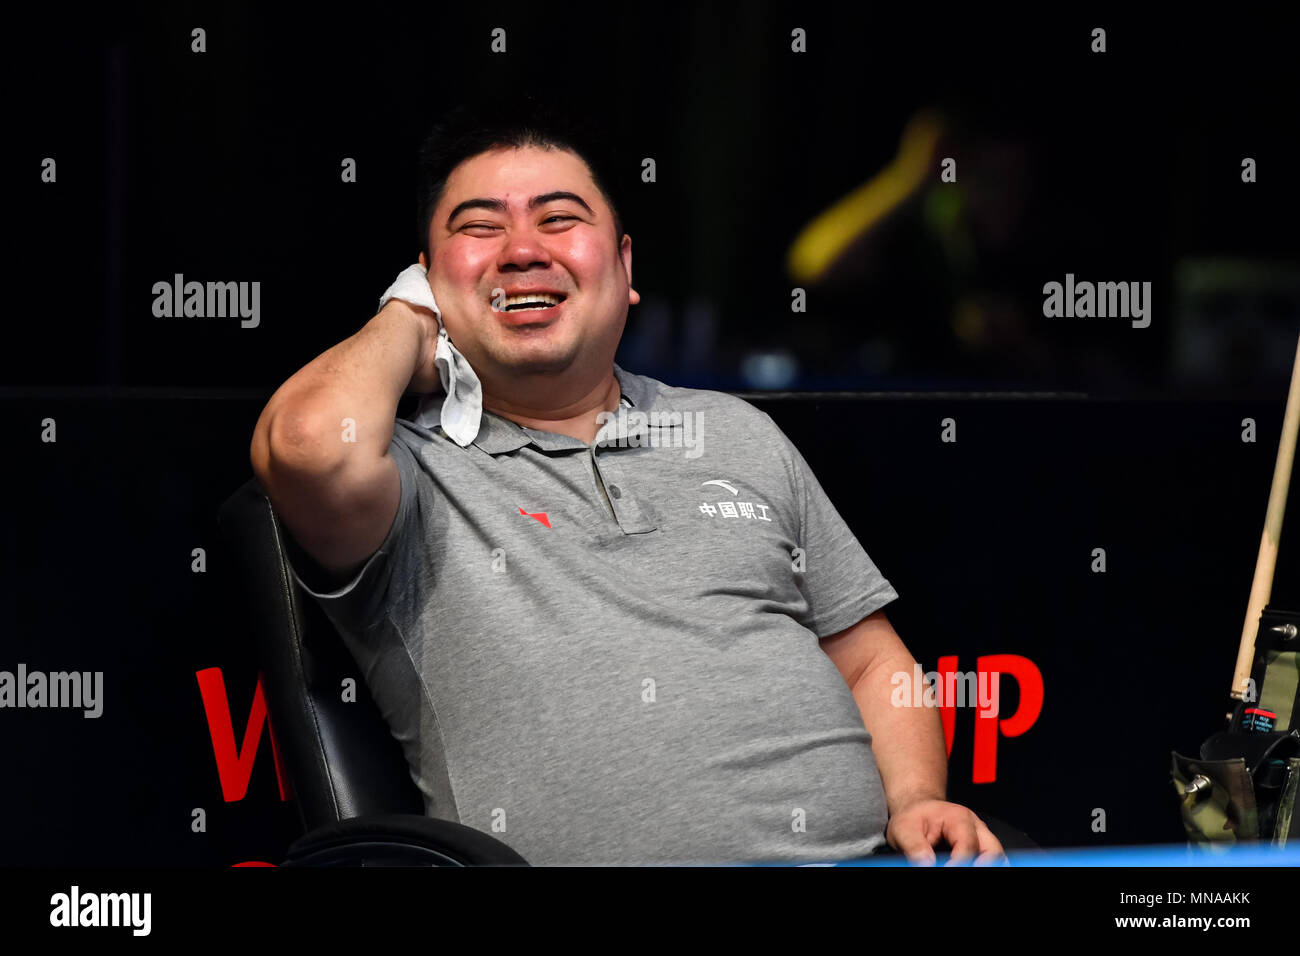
320	448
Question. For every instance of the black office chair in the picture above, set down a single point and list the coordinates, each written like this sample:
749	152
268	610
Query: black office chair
351	781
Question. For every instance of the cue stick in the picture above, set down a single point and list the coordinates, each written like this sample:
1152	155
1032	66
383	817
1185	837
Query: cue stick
1262	586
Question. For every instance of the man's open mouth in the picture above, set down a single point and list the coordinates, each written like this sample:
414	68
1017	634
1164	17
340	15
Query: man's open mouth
530	301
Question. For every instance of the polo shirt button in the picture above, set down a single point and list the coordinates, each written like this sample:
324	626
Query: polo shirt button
613	490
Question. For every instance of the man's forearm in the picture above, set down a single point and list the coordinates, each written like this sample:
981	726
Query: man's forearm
907	741
361	378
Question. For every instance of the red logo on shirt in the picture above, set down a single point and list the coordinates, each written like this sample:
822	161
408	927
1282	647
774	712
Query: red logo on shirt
540	516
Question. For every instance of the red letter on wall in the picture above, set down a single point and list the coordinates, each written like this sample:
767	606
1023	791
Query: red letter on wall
235	767
947	709
1030	680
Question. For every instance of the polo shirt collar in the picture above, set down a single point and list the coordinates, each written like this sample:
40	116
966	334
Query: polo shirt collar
498	435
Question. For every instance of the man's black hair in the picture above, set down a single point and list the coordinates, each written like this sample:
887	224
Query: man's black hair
522	120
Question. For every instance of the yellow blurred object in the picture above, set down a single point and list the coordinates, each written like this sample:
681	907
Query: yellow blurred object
824	239
968	323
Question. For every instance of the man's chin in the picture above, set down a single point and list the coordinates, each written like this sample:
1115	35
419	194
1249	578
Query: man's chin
537	361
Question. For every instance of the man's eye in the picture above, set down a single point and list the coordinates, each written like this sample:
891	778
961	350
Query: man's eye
488	225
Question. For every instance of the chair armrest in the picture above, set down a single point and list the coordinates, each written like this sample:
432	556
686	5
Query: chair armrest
399	839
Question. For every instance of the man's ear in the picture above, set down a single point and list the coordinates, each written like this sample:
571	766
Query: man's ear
625	252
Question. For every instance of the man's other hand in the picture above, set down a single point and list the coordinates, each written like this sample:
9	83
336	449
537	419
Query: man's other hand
918	827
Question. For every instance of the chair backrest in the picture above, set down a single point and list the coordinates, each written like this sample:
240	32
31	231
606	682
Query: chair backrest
340	755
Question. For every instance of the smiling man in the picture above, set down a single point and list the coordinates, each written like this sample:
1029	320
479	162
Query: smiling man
591	644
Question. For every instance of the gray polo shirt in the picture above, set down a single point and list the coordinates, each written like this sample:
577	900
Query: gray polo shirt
608	653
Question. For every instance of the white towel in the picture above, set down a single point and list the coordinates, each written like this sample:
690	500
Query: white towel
462	410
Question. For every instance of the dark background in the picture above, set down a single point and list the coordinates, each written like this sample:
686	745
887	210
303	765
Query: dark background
1123	166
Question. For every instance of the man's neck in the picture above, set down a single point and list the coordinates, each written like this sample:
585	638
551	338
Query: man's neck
578	419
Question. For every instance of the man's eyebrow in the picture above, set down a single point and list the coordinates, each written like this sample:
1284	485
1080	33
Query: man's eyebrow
496	205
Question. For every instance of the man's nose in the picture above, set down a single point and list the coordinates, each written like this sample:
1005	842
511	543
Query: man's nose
523	249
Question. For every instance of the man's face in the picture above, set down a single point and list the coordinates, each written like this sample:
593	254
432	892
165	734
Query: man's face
532	240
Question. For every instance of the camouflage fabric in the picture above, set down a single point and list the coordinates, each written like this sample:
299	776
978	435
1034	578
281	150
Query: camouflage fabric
1281	678
1217	800
1287	807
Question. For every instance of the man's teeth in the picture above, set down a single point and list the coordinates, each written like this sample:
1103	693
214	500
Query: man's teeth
531	300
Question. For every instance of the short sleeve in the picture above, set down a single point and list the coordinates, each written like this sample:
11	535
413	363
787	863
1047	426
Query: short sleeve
840	582
359	603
